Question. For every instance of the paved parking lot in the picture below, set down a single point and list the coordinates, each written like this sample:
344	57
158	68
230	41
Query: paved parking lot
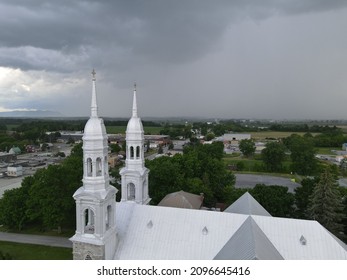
250	180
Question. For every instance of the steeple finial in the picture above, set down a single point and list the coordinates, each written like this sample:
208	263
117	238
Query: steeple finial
94	106
134	102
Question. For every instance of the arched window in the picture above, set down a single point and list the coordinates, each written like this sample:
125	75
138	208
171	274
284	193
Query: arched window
89	167
108	217
105	166
138	152
131	191
98	167
131	152
88	221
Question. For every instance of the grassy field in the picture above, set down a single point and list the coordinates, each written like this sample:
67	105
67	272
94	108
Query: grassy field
343	127
11	126
262	135
328	150
252	165
20	251
121	129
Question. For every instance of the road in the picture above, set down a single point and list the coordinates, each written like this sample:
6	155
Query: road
8	183
250	180
36	239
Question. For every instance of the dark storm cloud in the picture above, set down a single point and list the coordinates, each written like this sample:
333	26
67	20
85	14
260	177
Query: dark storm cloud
162	31
214	51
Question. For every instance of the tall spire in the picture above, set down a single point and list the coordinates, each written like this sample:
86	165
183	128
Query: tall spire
94	106
134	103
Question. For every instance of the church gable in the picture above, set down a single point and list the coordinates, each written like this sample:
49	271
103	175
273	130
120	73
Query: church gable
249	243
247	205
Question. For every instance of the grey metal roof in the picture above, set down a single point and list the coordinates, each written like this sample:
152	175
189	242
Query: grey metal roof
153	232
161	233
285	234
247	205
249	243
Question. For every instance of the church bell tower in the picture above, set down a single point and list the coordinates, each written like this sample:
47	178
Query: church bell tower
95	236
135	175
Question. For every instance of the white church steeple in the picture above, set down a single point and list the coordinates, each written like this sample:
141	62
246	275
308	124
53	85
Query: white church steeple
95	236
135	174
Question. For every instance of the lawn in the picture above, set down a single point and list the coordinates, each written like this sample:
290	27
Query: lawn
249	164
116	129
19	251
253	164
328	150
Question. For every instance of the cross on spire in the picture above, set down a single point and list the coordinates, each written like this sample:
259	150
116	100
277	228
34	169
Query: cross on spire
134	102
94	106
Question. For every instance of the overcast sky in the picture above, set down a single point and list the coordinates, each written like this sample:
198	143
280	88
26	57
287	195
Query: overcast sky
275	59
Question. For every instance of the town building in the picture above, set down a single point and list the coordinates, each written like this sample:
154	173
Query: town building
15	151
14	171
229	137
132	229
182	199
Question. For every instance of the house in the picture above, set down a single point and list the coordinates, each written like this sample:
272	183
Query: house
15	151
182	199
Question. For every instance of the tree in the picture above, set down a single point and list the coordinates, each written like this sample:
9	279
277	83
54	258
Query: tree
115	148
60	154
209	136
273	156
302	197
218	129
160	149
50	196
326	203
247	147
5	256
343	192
343	166
199	170
197	186
13	206
124	146
275	199
302	154
165	177
46	197
240	165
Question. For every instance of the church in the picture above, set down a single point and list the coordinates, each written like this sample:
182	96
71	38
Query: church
133	230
